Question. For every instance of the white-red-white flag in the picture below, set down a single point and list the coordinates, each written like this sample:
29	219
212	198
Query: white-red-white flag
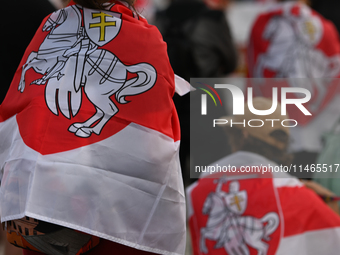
89	132
239	213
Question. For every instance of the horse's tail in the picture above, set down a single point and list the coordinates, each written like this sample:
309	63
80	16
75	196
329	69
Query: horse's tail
273	222
146	78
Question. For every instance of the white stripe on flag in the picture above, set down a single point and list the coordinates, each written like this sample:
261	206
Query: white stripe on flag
127	188
325	242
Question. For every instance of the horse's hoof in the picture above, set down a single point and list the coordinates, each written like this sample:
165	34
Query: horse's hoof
36	82
83	132
204	250
21	88
73	128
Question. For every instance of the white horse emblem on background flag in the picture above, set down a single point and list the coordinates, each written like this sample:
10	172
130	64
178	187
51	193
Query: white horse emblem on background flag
229	228
69	58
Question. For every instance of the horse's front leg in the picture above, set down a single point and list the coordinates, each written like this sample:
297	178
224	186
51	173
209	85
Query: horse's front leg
58	66
26	66
203	246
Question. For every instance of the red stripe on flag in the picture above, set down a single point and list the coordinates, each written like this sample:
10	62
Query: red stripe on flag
304	211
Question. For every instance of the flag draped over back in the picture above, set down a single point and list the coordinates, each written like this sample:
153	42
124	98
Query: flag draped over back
242	214
89	132
292	41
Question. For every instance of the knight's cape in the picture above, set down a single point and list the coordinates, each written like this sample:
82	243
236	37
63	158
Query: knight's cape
292	41
123	184
294	220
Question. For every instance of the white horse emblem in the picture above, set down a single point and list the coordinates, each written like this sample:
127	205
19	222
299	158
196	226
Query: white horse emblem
292	51
70	59
229	229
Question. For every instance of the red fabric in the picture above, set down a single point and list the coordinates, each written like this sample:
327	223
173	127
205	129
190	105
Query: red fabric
294	201
105	247
137	42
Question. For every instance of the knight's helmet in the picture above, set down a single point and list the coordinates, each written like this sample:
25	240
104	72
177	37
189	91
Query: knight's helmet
234	187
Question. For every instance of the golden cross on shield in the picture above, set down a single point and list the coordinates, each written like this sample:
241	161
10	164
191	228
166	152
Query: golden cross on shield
237	202
310	29
102	24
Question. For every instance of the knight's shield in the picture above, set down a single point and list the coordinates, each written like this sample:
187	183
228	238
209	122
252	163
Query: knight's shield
310	30
237	202
101	26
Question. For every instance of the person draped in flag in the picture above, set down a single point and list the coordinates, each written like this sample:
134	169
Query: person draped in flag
90	138
291	41
259	212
